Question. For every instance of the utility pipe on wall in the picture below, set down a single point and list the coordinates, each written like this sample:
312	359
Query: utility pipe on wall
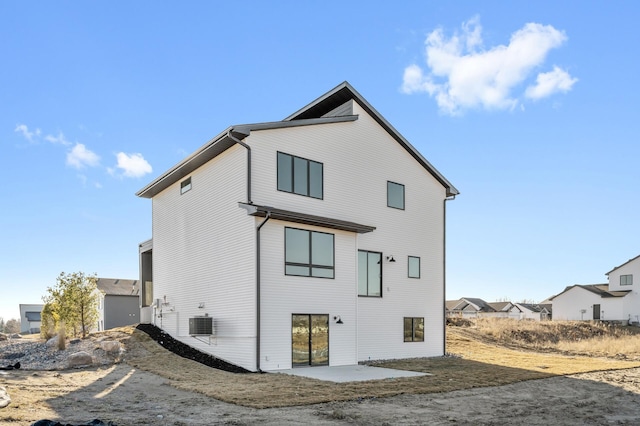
248	148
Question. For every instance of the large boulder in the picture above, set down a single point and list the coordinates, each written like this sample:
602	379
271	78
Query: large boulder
4	397
110	346
53	342
79	359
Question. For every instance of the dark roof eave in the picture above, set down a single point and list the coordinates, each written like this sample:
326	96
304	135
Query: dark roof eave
620	266
306	219
221	143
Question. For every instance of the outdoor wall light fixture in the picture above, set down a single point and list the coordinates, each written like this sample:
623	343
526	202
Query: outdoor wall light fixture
337	319
390	259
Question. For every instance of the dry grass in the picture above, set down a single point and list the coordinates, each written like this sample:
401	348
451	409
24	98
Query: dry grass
478	363
568	337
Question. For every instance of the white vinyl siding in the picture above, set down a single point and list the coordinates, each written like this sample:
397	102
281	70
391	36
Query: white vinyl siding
204	254
283	295
359	158
577	304
631	306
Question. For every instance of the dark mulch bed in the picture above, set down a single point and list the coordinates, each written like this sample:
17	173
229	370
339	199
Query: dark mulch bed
186	351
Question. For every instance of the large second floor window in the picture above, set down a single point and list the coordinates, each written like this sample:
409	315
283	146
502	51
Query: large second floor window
308	253
299	175
626	279
369	273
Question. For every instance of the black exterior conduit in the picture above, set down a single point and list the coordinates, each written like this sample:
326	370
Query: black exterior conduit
258	228
239	142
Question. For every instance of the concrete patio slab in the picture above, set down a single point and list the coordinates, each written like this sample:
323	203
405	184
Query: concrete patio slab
349	373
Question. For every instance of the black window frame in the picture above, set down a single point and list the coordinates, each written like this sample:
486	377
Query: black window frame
186	183
367	268
311	266
415	321
628	279
389	183
409	267
292	177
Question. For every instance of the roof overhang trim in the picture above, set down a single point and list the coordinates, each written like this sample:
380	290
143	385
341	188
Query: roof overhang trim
221	143
306	219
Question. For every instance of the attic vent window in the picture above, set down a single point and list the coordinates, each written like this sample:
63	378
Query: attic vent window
185	186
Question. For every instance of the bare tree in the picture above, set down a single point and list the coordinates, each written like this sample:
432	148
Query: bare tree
72	303
12	326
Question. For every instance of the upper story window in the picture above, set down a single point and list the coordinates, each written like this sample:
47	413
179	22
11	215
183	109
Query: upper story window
369	273
626	279
299	176
414	267
185	185
308	253
395	195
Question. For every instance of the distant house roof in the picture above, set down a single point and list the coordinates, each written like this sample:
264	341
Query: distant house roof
469	303
620	266
328	108
501	306
535	307
118	287
601	290
452	304
33	316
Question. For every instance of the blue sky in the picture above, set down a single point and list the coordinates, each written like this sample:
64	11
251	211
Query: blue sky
529	110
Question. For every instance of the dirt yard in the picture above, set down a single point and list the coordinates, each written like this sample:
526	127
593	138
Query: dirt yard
127	396
494	386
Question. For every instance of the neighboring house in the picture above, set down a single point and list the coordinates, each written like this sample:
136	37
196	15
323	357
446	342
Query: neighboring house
506	310
315	240
589	302
621	278
618	300
118	303
534	311
30	318
469	307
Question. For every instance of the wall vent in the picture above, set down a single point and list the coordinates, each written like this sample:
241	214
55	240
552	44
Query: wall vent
201	326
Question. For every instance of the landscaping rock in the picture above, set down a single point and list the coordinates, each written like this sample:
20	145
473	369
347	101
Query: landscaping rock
79	359
110	346
4	398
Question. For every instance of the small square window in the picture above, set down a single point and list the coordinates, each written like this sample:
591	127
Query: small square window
413	329
414	267
395	195
185	185
626	279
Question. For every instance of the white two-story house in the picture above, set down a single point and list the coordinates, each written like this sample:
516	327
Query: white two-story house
618	300
315	240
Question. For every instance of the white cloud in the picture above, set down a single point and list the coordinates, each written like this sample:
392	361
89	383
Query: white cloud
462	74
24	130
551	82
133	165
80	157
60	139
